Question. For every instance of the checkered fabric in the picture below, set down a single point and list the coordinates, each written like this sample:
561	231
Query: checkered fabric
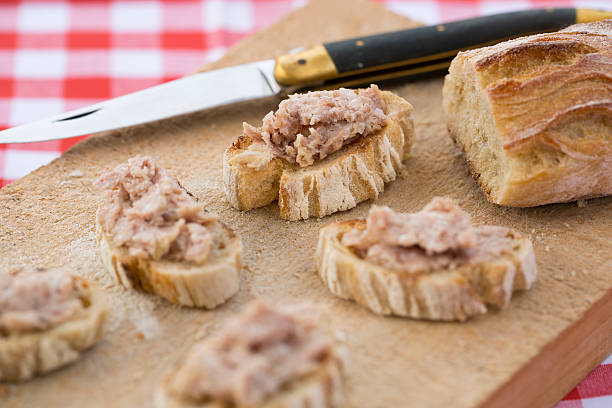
61	55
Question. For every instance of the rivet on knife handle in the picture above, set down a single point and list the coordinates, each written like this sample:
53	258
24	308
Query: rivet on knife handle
306	67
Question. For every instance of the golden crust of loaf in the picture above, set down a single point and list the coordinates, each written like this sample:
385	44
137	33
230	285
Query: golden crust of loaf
439	295
534	115
24	355
207	285
321	389
353	174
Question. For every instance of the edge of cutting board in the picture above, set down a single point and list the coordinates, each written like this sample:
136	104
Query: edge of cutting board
558	368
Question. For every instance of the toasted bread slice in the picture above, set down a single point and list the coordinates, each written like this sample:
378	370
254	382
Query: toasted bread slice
24	355
445	294
260	338
202	285
321	389
355	173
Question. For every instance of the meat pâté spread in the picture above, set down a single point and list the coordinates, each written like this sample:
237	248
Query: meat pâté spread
308	127
146	210
36	299
441	235
255	355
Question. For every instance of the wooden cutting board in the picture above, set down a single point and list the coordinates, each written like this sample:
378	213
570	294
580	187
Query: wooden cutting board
528	355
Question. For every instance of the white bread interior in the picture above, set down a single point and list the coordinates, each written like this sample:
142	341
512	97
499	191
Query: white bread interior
534	115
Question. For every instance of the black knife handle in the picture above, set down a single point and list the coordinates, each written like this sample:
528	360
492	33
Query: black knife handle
442	41
417	50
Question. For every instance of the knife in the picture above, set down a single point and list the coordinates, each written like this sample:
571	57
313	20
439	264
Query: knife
406	53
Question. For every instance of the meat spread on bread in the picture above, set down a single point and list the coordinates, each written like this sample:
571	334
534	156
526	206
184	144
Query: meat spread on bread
263	357
156	236
432	264
47	319
320	152
309	127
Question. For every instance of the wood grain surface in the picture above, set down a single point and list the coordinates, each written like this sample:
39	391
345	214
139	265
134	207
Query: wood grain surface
528	355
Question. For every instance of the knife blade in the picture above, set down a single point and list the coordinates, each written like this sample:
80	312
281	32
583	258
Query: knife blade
405	53
181	96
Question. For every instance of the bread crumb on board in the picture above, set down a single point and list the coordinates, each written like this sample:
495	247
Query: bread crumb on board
145	323
76	174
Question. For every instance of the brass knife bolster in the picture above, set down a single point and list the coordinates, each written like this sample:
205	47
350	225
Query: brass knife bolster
306	67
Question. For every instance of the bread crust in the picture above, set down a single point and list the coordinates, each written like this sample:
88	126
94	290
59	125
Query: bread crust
355	173
207	285
321	389
439	295
25	355
542	106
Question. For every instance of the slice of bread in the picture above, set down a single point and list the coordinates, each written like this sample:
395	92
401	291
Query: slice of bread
321	389
24	355
355	173
445	294
202	285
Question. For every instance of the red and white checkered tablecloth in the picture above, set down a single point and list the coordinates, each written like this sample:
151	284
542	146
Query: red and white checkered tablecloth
61	55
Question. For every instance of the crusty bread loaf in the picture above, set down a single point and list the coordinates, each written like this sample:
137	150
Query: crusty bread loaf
202	285
353	174
534	115
446	294
24	355
321	389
